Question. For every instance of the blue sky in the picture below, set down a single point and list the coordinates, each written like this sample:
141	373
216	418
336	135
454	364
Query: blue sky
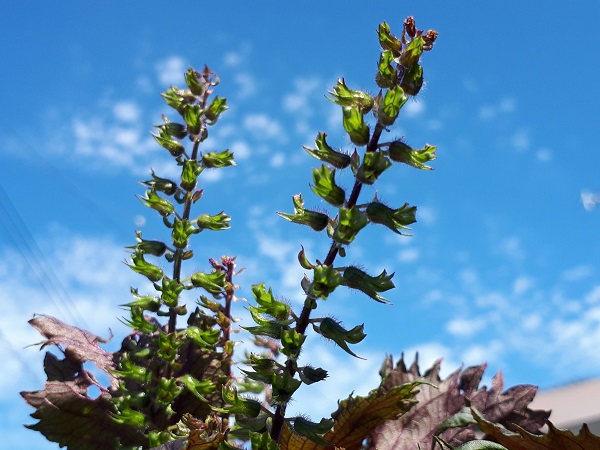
503	262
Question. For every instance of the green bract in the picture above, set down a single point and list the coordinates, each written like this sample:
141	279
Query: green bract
324	186
326	154
316	220
400	152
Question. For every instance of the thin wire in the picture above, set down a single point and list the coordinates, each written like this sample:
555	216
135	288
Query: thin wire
30	250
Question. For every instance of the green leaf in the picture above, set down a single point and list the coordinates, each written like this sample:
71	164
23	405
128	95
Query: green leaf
156	202
355	126
175	130
481	445
170	291
350	222
193	82
198	388
316	220
387	76
189	174
388	108
262	441
325	187
291	342
412	82
325	153
146	302
394	219
141	266
347	98
154	248
237	404
217	222
400	152
218	160
176	98
217	106
164	185
268	304
330	329
283	386
325	280
374	164
193	118
312	430
213	282
310	375
412	53
270	329
203	338
303	260
182	230
388	41
461	419
357	279
163	138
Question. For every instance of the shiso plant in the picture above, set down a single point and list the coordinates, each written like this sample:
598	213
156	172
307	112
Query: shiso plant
171	385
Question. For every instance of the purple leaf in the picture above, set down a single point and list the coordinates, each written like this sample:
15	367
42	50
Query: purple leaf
436	404
79	345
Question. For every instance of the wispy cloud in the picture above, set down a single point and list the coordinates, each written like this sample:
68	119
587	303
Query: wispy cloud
504	106
170	70
263	126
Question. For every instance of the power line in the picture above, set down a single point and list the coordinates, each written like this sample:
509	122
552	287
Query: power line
27	246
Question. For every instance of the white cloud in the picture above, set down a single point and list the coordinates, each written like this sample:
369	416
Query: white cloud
408	255
297	101
544	155
465	327
126	111
593	296
262	126
277	160
170	71
413	108
511	247
589	199
489	352
426	215
520	140
504	106
241	150
246	84
522	285
577	273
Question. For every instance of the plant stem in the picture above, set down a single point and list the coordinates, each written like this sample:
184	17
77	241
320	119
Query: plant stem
303	319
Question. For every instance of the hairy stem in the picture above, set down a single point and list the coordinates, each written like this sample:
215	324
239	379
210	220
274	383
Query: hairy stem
303	319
